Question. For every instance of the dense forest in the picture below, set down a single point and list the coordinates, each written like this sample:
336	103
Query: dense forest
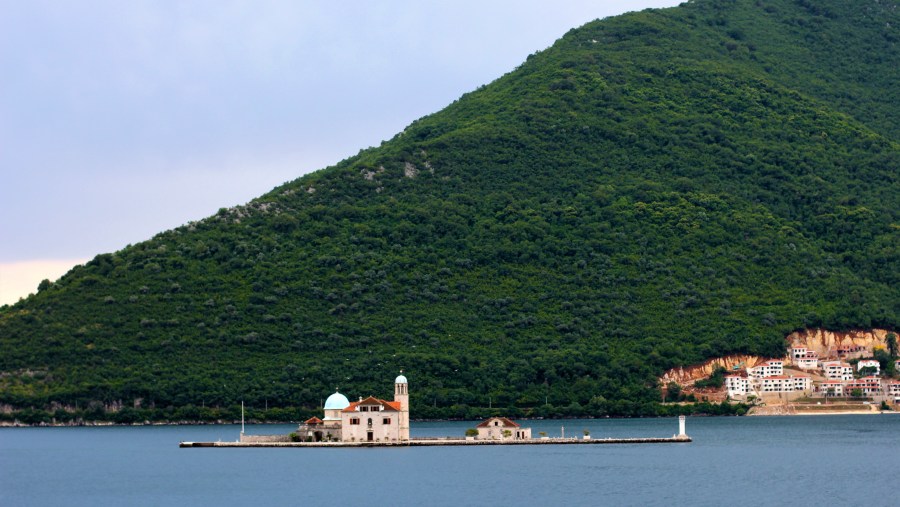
653	190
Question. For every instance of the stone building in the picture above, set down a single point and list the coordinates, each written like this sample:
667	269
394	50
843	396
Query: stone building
501	428
367	420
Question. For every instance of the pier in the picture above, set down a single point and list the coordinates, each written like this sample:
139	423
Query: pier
432	442
680	438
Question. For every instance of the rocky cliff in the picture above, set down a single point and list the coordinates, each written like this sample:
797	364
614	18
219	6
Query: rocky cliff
688	374
826	343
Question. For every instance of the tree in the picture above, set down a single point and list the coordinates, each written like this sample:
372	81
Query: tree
867	371
891	341
716	379
673	391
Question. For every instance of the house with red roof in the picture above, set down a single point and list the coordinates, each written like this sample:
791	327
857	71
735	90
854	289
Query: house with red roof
837	370
501	428
808	361
831	388
784	383
770	368
869	386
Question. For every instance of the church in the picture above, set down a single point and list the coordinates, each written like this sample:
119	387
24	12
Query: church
367	420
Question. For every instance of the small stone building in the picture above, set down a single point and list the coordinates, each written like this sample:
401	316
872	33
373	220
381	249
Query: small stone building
501	428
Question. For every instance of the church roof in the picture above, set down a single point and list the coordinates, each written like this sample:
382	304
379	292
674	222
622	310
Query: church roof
336	401
313	420
386	406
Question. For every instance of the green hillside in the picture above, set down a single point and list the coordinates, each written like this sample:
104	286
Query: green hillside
653	190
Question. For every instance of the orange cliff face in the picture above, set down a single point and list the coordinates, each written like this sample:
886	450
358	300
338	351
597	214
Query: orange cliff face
688	374
827	343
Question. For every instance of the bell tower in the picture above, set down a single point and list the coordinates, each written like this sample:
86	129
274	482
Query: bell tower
401	394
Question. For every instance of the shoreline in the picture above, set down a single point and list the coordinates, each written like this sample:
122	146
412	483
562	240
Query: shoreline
804	410
752	413
223	422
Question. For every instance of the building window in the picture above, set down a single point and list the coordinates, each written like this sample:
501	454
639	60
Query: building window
386	420
363	409
354	420
374	409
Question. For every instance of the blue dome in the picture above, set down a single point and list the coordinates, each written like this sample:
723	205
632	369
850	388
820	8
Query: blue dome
337	401
400	380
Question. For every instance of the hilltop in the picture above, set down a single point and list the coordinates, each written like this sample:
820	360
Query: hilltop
653	190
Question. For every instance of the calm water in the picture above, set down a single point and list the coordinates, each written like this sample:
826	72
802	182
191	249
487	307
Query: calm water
824	460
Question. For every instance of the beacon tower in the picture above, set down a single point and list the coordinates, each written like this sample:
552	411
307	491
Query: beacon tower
401	394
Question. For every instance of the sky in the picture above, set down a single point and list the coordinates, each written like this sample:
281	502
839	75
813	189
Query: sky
119	120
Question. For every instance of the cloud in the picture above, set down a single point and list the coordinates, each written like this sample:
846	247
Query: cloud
19	279
122	119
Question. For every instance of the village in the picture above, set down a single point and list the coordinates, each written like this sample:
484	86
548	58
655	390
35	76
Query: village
846	373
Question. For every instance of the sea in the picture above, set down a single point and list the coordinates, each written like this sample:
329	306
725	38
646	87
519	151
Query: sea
800	460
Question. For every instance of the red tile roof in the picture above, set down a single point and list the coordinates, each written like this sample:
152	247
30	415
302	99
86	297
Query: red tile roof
504	423
313	420
386	406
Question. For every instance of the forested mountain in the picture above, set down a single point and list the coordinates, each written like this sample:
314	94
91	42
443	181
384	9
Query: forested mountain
653	190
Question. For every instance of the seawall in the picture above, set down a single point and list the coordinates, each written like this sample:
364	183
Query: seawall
432	442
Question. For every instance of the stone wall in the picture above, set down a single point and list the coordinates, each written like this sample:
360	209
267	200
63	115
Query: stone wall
260	439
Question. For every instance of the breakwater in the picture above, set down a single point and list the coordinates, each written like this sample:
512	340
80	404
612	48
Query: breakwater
431	442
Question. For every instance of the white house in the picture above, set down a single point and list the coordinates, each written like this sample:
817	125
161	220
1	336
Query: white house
869	386
831	388
802	383
808	361
837	370
771	368
798	352
869	363
501	428
784	384
737	385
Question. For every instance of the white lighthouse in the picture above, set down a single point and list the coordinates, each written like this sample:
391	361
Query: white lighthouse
401	395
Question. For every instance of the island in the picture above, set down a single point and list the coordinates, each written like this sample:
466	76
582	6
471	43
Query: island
373	422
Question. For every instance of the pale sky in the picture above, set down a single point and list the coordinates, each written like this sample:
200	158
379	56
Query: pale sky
122	119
